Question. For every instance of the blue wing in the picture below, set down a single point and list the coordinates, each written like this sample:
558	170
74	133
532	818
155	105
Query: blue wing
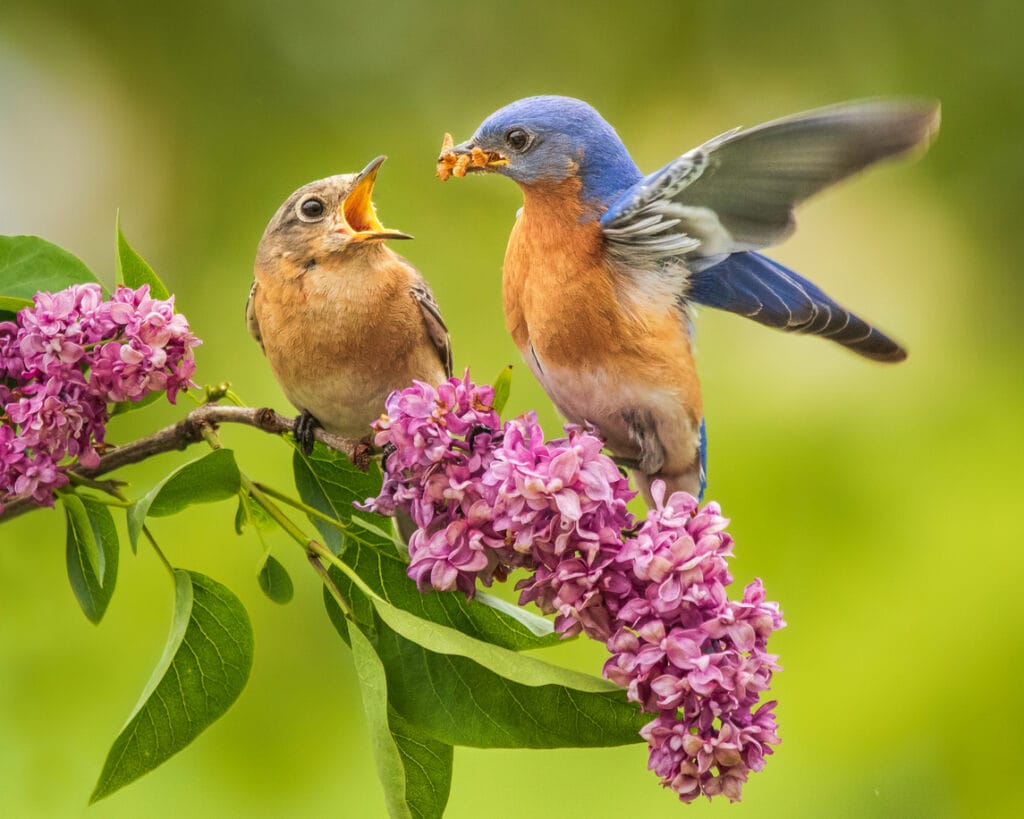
761	289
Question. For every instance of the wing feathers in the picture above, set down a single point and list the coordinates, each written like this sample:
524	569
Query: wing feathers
761	289
738	191
436	328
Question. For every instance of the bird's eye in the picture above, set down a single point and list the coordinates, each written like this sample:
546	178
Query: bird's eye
312	208
518	139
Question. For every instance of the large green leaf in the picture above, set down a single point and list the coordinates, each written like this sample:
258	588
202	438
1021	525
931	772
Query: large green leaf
29	264
204	667
92	590
414	769
132	269
463	691
521	702
211	478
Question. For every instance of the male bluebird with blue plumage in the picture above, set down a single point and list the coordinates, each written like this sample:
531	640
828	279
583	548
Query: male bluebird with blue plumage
604	264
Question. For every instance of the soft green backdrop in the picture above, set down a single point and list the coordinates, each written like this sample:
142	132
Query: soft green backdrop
881	505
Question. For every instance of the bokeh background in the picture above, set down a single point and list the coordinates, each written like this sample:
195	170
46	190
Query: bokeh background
881	505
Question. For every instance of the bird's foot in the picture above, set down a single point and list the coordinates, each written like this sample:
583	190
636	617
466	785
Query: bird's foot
362	453
305	431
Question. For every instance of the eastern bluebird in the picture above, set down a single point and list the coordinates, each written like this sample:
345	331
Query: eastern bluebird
342	319
604	263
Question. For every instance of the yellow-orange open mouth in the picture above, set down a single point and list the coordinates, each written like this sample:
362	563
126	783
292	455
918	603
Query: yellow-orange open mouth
457	163
356	215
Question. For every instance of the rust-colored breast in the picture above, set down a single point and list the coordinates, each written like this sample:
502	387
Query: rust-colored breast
572	311
558	291
340	337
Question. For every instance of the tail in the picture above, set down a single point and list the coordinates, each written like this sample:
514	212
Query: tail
761	289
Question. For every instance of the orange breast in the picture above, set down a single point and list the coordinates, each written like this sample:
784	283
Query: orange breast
577	311
340	338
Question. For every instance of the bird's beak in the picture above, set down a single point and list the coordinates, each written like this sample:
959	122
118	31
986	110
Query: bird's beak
457	160
356	216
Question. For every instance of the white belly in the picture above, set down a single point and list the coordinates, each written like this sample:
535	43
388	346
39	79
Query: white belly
593	396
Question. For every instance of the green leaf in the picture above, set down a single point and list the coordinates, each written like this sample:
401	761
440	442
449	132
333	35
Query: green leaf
329	482
211	478
428	767
374	690
502	388
29	264
426	762
520	668
336	615
93	594
204	667
275	581
11	304
81	531
414	769
252	514
132	269
455	699
521	702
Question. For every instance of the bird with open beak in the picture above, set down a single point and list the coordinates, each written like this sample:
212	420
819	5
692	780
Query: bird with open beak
342	319
604	263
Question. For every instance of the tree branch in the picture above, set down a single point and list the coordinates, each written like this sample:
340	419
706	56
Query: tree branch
188	431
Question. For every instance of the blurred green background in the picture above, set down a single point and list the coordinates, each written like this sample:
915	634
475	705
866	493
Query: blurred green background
881	506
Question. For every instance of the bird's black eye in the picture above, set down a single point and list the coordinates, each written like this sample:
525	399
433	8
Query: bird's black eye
312	208
518	139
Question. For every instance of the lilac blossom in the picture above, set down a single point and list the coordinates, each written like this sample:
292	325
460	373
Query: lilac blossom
61	363
490	499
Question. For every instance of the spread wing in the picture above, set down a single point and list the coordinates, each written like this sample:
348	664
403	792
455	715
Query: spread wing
250	317
738	191
436	328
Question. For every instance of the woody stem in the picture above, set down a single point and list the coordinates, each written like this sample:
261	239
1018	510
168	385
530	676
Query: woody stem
188	431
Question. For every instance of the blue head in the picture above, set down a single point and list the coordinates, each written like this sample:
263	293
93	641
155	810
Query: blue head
547	139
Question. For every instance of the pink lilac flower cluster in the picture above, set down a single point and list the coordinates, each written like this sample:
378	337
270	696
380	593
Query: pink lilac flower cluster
490	498
63	361
685	651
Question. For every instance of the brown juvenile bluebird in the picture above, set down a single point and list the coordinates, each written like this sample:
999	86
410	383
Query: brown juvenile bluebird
342	318
605	263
